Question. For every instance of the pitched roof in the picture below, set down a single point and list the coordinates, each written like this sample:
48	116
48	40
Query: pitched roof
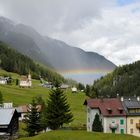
131	103
6	115
108	106
24	78
24	108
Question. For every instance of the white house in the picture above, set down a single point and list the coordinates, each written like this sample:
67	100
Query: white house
74	89
111	114
25	81
3	80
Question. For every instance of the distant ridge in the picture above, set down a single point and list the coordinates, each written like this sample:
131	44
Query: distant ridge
51	52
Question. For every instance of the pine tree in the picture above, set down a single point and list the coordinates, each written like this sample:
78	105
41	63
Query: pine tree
39	101
87	90
43	119
97	124
32	120
57	110
1	98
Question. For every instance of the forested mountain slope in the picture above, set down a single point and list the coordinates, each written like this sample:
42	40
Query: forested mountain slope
124	80
13	61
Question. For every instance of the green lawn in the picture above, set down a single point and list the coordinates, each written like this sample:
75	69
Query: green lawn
79	135
20	96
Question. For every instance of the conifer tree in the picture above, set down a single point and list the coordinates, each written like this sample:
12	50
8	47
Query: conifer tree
97	124
57	110
32	120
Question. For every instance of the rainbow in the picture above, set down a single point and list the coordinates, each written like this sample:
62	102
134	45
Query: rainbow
84	71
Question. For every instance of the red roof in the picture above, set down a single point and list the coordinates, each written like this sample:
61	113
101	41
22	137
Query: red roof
108	106
24	108
24	78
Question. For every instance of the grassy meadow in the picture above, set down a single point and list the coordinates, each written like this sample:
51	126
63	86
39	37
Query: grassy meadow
21	96
79	135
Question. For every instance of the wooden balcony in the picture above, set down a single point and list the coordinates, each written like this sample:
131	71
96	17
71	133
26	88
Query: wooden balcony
138	125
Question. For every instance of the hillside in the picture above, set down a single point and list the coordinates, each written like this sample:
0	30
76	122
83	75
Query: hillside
53	53
124	80
79	135
21	96
12	61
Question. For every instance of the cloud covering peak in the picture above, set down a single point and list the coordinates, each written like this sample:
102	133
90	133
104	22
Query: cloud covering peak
109	27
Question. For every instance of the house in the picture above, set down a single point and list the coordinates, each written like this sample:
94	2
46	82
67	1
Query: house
25	81
111	113
8	121
3	80
64	86
74	89
7	105
132	109
23	110
47	85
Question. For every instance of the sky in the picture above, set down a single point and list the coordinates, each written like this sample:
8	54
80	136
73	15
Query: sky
108	27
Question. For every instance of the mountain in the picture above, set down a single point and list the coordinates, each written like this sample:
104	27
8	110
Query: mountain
69	61
13	61
124	81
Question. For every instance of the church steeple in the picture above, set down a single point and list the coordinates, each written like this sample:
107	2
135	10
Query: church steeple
29	79
29	76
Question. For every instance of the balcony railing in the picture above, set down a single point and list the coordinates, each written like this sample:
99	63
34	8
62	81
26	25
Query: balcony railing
113	126
138	125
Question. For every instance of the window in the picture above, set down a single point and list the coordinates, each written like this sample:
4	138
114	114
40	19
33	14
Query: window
122	131
88	110
121	121
121	111
88	119
131	130
109	110
131	121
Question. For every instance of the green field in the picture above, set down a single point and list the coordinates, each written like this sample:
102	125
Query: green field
21	96
79	135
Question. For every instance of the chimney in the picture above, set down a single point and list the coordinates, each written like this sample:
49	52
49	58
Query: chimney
122	99
138	98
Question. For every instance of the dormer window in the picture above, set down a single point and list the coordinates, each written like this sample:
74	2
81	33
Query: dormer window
120	110
109	110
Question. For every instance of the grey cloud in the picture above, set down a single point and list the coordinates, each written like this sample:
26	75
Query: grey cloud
93	25
50	16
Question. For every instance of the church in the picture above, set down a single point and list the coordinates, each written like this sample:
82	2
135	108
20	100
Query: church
25	81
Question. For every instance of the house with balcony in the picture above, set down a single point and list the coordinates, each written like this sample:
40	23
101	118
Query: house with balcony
111	113
132	109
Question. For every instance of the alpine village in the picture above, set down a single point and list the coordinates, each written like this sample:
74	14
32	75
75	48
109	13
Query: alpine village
38	103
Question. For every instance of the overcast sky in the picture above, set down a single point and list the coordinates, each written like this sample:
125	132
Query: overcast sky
108	27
